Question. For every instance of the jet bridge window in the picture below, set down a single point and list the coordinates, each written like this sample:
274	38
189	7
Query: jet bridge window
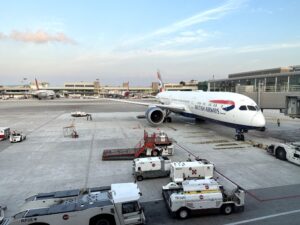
243	108
251	108
130	207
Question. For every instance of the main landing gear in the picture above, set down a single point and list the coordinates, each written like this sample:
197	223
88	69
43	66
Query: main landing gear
168	119
240	135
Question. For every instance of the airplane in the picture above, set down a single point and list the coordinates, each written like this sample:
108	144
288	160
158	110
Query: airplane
120	94
42	94
226	108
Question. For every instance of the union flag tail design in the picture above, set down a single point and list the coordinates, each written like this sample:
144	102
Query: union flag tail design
161	84
37	84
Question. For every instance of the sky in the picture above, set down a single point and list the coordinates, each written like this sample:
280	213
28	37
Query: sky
117	41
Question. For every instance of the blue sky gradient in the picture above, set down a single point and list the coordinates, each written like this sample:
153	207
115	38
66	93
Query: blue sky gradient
116	41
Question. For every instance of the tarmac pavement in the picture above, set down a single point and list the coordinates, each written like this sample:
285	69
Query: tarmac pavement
47	161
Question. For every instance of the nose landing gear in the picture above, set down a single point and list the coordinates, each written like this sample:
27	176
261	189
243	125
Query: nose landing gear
240	135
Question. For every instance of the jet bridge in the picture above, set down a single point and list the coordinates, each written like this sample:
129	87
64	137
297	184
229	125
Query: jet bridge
292	108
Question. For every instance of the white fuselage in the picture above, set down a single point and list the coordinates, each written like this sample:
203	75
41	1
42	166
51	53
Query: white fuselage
44	94
231	109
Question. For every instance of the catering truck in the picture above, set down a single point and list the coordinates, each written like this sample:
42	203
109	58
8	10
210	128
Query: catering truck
114	205
181	171
286	151
151	167
201	196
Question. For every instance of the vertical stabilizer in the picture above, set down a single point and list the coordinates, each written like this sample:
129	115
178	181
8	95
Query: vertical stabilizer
161	84
37	84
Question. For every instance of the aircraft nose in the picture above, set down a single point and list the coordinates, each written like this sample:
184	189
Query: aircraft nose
258	120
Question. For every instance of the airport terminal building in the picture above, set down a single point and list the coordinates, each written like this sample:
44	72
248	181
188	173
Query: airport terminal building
269	87
88	89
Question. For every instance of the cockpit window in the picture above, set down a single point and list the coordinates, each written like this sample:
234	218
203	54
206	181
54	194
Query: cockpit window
257	108
243	107
251	108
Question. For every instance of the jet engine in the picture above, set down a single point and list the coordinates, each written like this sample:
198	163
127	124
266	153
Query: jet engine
155	115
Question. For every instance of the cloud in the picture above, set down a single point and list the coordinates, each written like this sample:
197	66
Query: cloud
39	37
261	10
181	25
267	47
187	37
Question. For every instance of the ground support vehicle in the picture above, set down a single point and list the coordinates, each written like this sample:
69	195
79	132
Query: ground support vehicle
181	171
79	114
114	205
4	133
156	144
286	151
201	196
151	167
16	137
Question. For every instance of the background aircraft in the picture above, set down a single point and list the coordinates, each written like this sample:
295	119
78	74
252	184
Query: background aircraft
42	94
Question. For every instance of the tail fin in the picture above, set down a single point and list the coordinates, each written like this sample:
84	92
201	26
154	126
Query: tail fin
37	84
161	84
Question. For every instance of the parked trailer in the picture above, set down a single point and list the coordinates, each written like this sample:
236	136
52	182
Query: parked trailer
114	205
4	133
181	171
287	151
151	167
201	196
156	144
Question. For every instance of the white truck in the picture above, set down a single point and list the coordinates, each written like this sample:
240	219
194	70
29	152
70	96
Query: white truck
16	137
114	205
181	171
151	167
201	196
287	151
4	133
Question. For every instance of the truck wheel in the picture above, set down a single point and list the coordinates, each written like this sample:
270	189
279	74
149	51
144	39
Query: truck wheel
139	178
280	153
227	209
102	221
183	213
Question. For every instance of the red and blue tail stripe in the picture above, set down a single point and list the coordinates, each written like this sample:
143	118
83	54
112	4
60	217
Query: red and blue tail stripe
230	104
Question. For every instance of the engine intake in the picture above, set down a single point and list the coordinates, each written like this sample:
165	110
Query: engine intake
155	115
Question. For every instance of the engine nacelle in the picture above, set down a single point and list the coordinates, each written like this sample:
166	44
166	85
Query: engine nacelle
155	115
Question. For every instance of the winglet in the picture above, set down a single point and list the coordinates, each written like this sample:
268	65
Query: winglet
37	84
161	84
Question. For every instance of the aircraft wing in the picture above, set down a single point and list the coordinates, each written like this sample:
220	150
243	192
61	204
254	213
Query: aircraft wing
172	108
